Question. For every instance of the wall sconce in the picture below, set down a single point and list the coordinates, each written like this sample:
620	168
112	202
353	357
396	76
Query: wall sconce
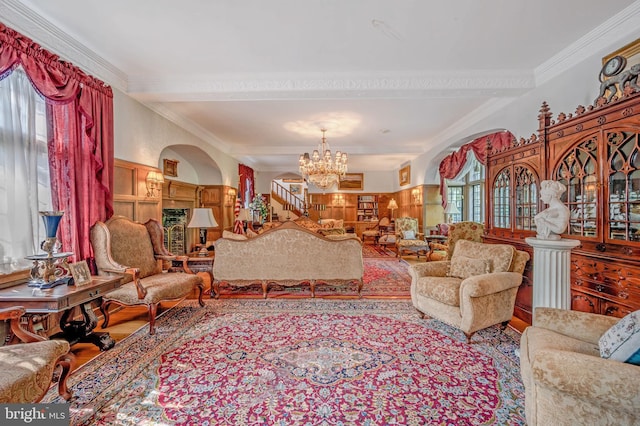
417	196
338	199
154	183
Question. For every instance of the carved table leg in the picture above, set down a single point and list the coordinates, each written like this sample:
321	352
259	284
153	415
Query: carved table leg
82	330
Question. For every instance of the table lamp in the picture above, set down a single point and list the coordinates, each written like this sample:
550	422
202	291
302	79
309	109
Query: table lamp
203	218
392	206
449	211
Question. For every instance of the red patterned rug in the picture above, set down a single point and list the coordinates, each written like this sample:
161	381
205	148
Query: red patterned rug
300	362
383	277
377	252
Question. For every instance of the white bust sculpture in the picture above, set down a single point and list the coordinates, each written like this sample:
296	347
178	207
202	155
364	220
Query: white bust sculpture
552	221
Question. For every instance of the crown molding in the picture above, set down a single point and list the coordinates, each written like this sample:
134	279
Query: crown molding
337	85
19	17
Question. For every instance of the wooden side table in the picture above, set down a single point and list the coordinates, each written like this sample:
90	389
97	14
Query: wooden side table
63	299
198	265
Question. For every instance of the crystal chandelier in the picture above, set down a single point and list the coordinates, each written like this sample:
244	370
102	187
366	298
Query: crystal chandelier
320	169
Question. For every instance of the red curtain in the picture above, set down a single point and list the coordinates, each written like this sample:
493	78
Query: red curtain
453	163
247	184
80	137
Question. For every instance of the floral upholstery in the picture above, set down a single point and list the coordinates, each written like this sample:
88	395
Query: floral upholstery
289	255
471	231
565	379
122	246
478	301
28	368
417	245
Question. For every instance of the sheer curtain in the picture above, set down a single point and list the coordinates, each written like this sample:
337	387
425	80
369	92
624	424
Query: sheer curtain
24	171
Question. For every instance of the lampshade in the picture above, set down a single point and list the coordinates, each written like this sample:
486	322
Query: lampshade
451	209
202	218
392	204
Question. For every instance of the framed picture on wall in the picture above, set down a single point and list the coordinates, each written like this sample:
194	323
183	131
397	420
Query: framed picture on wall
170	167
295	188
352	181
405	175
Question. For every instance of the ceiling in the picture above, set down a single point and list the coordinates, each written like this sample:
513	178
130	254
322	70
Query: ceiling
259	79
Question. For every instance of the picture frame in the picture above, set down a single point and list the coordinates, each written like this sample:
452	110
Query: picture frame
295	189
352	182
170	167
404	175
80	273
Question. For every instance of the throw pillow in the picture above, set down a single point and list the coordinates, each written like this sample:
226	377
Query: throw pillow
622	341
231	236
251	233
464	267
409	235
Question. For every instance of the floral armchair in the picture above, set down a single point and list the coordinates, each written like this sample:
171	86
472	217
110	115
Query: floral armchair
28	368
409	238
476	289
470	231
137	250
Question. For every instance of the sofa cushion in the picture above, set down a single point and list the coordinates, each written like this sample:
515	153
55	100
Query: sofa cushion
443	289
500	255
464	267
622	341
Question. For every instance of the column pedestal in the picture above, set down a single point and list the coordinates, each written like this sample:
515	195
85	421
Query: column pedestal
551	272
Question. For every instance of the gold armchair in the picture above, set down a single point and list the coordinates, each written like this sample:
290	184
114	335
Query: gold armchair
476	289
470	231
122	246
28	368
374	231
409	238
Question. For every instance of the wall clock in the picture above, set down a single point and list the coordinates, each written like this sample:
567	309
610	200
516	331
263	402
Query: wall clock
614	65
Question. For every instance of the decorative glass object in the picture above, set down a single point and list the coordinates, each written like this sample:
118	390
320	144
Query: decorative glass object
51	266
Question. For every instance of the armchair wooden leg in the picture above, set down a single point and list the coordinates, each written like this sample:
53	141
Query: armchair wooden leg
201	294
503	325
264	289
360	285
312	284
67	362
153	310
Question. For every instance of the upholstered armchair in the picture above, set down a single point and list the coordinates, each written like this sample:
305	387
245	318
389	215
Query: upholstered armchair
409	238
373	232
471	231
122	246
476	289
28	368
566	381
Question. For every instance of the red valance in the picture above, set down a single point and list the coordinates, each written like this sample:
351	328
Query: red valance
81	154
453	163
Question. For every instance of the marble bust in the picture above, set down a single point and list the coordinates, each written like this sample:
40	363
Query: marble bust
552	221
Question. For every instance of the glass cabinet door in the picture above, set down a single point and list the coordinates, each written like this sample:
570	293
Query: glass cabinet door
577	170
526	206
623	156
502	200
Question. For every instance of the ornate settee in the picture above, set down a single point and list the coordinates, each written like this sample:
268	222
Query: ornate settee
324	227
288	255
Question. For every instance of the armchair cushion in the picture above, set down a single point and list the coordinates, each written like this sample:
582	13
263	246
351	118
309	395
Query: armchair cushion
168	286
465	267
622	341
500	255
444	289
409	234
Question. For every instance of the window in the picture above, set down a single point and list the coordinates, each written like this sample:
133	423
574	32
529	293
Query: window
24	171
454	196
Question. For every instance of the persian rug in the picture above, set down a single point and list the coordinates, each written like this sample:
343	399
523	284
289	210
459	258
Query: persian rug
377	252
300	362
382	278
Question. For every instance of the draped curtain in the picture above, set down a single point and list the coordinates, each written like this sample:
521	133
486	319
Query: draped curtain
453	164
246	186
80	136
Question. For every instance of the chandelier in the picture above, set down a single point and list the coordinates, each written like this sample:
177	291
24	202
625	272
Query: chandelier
320	168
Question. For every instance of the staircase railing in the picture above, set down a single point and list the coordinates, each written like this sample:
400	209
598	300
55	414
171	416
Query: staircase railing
284	196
